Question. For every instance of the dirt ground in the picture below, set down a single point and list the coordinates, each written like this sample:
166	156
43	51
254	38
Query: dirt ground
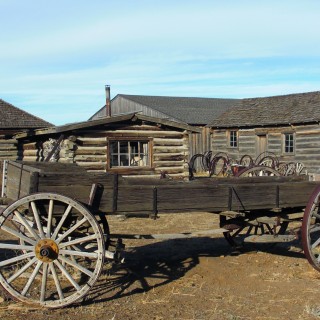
196	278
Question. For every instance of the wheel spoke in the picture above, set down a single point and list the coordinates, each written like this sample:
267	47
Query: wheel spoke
76	265
26	224
75	227
314	228
315	244
16	259
67	275
93	255
44	282
22	270
31	279
50	213
18	235
37	218
63	218
76	241
56	281
15	246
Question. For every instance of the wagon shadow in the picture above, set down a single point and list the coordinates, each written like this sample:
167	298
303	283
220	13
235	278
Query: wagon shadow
158	264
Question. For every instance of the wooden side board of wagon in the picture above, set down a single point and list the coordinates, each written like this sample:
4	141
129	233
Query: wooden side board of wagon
54	234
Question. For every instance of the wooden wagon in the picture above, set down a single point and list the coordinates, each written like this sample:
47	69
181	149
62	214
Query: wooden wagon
54	234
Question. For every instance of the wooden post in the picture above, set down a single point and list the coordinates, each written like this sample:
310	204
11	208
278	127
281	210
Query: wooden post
155	204
115	193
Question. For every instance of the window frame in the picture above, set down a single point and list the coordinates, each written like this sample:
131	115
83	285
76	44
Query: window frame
129	167
231	134
292	141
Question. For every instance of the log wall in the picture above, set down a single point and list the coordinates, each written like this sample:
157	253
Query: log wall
307	144
168	148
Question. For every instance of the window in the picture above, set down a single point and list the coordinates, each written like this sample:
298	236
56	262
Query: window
233	139
126	153
288	142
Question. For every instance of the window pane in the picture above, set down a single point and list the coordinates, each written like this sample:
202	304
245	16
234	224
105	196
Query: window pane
288	143
124	160
129	153
233	139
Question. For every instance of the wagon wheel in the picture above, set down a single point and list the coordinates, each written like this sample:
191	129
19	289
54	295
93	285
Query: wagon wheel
241	227
218	166
258	171
51	250
246	161
310	231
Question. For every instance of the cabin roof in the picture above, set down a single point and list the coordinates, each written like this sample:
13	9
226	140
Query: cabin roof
105	121
277	110
12	117
194	111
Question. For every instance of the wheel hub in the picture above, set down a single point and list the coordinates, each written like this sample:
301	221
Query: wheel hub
46	250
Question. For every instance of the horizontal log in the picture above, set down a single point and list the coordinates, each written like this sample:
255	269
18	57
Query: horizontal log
6	146
169	142
169	157
6	141
31	153
30	158
94	158
30	146
91	151
170	169
92	165
169	149
168	163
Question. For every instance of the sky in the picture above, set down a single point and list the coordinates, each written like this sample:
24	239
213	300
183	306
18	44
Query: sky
57	56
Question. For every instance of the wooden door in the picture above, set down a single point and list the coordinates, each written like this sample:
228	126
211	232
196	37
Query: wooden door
261	144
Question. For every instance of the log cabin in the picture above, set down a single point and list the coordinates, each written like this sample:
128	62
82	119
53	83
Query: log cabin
287	126
130	144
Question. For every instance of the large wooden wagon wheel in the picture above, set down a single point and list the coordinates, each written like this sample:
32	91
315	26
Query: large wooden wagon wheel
51	250
311	230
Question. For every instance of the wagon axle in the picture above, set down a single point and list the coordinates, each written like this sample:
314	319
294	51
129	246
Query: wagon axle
47	250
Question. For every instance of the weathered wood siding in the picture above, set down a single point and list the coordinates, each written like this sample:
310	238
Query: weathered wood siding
168	148
121	106
307	144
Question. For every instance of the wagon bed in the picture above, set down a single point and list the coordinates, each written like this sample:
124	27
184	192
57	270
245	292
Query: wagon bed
54	234
131	196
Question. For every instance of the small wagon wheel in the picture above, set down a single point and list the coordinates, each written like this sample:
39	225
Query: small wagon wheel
241	227
246	161
310	231
258	171
218	166
51	250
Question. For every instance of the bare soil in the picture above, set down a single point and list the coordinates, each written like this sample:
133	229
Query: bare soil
196	278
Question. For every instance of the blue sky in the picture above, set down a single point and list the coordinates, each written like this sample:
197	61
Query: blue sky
57	56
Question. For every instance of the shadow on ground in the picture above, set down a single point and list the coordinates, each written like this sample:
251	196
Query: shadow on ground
160	263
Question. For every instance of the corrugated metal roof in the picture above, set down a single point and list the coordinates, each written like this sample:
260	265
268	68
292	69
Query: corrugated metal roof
12	117
277	110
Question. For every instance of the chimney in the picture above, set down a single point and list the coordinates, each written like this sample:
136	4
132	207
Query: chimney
108	104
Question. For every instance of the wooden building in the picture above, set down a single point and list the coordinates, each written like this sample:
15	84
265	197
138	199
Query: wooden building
131	144
288	126
192	111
